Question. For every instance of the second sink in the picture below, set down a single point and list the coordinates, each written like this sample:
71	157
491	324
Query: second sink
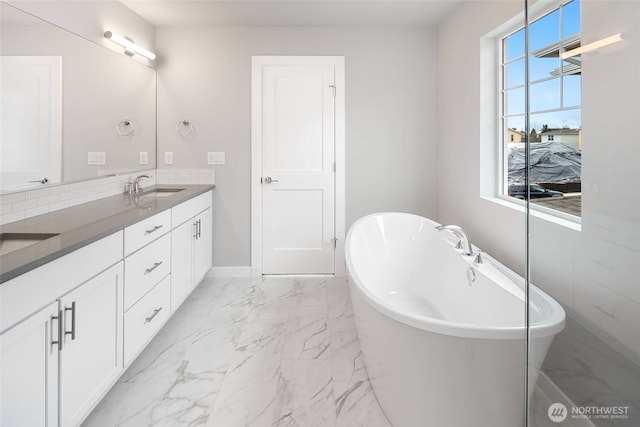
10	242
162	192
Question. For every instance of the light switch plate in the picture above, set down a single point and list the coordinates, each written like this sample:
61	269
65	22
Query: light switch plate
168	157
144	157
97	158
216	158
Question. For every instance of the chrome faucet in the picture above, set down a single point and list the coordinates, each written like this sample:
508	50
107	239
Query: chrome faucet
136	183
464	244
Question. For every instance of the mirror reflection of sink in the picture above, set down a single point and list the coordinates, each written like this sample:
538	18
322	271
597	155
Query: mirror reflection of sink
10	242
162	192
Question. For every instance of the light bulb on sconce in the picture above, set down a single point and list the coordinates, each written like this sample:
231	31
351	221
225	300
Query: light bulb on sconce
130	48
593	46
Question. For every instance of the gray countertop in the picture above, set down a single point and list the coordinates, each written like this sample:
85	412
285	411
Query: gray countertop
81	225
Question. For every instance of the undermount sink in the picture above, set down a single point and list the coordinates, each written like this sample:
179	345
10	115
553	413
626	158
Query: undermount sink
162	192
10	242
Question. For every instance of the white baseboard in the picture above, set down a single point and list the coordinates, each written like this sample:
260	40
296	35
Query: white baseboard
556	395
239	271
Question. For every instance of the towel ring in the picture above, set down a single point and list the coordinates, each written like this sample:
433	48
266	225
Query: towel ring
125	127
184	127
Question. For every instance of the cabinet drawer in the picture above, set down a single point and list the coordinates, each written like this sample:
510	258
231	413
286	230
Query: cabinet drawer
145	231
190	208
145	268
144	319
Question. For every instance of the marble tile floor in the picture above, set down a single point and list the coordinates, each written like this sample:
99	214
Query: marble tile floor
250	352
254	352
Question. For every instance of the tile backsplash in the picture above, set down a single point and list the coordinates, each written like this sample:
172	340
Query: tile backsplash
26	204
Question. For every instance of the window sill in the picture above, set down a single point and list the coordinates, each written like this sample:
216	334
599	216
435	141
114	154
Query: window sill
559	218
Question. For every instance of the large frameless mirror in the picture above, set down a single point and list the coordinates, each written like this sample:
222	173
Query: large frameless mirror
71	109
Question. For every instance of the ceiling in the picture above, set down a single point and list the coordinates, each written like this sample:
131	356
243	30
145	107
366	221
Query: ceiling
293	13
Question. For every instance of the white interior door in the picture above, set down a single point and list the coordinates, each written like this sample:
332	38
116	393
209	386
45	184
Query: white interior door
31	121
297	122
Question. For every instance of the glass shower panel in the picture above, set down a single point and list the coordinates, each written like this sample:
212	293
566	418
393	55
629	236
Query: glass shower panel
591	374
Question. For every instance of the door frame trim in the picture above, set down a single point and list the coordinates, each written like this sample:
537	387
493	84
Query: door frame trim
257	62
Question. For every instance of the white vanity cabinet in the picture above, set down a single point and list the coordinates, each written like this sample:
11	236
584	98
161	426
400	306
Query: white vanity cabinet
146	231
91	356
144	319
147	281
146	268
29	371
191	247
71	346
70	327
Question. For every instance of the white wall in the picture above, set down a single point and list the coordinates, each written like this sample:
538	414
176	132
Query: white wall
592	271
498	230
90	19
391	115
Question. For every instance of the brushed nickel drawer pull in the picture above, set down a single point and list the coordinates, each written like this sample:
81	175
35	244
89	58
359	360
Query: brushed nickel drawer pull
155	313
59	340
157	227
73	320
155	265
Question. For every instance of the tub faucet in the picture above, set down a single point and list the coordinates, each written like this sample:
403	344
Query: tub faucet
464	244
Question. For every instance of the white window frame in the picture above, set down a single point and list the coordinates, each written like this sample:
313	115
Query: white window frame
540	10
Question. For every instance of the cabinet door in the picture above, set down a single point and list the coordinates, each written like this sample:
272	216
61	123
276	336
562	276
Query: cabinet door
182	238
29	371
91	359
203	244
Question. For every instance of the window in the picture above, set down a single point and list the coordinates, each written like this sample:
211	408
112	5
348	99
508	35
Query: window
555	136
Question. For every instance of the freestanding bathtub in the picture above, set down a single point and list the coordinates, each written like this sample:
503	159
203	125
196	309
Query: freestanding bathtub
443	339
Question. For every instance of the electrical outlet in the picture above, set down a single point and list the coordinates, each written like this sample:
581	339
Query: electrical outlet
215	158
168	157
97	158
144	158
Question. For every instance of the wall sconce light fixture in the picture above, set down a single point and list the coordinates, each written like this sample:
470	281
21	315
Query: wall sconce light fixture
130	48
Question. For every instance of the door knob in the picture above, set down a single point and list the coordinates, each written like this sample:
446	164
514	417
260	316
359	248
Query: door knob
269	180
41	180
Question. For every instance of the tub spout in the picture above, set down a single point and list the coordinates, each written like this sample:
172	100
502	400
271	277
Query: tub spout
464	244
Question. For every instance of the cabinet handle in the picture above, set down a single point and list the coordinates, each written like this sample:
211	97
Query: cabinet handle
155	265
157	227
155	313
42	180
73	320
59	340
199	228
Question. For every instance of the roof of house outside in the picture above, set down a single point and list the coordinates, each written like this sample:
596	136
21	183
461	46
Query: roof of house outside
559	131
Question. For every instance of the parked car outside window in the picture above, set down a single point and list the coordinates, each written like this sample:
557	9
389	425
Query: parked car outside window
519	191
